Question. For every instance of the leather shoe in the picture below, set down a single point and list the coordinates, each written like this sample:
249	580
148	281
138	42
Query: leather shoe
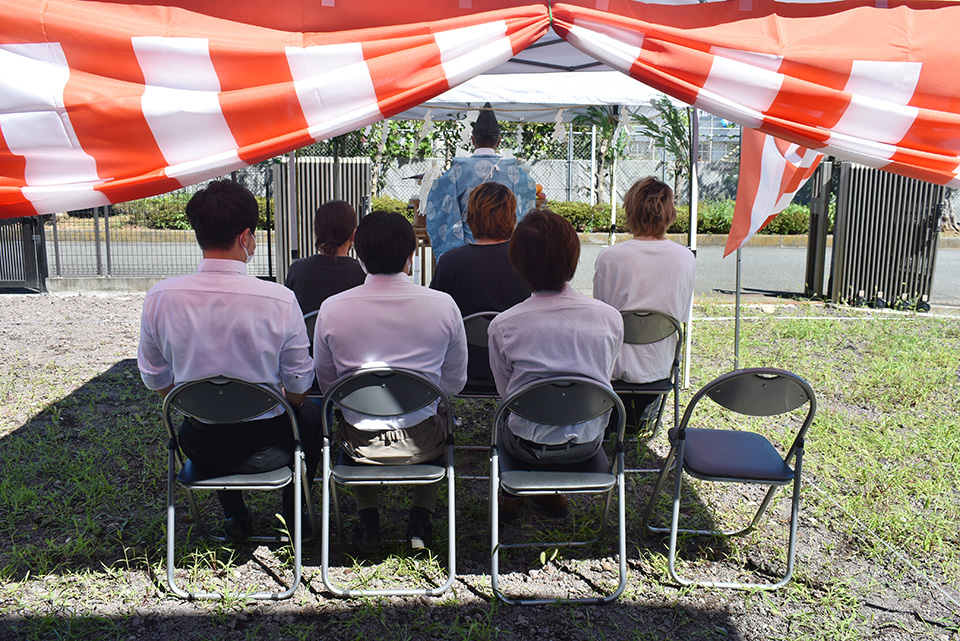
555	505
366	534
237	528
419	528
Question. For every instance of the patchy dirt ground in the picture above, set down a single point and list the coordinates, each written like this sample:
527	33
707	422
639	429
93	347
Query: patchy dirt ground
65	367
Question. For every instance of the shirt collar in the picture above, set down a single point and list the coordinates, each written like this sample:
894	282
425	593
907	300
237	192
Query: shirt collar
399	277
484	151
222	265
566	290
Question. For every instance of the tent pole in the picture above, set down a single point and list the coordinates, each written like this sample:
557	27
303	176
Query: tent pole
694	200
593	165
292	207
736	337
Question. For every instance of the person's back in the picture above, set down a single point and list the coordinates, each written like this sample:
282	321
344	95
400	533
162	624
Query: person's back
316	278
390	321
555	332
222	322
647	272
479	276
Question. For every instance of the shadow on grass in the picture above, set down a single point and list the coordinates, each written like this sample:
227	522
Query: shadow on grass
82	542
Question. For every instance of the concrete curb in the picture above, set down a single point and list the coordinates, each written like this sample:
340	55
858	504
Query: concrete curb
760	240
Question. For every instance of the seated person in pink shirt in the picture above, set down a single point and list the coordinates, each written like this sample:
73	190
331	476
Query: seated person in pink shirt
646	272
223	322
388	320
315	278
555	332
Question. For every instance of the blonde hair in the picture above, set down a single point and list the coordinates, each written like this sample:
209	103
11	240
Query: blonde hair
649	207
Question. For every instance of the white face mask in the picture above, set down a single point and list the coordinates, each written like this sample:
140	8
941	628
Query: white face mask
246	253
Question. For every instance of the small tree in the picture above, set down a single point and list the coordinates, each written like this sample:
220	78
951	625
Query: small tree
670	131
612	141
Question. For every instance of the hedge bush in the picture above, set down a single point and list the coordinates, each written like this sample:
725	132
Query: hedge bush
388	204
167	212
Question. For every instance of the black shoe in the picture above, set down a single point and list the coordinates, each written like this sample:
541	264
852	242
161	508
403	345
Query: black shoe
366	534
420	528
237	528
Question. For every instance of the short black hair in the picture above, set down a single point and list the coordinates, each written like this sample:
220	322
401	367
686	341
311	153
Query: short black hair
384	241
220	212
544	250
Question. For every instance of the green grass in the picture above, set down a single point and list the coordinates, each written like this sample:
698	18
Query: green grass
82	493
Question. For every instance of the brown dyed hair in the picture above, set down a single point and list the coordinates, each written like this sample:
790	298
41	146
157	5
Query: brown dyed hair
333	225
649	207
492	211
544	250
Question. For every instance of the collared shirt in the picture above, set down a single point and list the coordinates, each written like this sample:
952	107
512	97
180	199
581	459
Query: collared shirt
390	321
554	334
222	322
646	274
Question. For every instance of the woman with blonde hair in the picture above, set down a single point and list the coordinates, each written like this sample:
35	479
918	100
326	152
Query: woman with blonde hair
649	272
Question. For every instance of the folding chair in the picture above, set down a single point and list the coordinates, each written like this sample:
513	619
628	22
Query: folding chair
645	327
384	392
736	456
476	326
561	400
310	320
222	399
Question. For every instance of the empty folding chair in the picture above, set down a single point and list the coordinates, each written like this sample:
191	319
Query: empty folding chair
229	400
739	456
383	392
645	327
562	400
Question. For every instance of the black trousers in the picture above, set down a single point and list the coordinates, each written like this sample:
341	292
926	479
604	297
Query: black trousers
253	446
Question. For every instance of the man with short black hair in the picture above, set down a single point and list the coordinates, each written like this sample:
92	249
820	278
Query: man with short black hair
388	320
223	322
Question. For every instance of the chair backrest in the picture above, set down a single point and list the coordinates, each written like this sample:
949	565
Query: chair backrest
759	391
476	326
561	400
644	326
223	399
384	391
310	320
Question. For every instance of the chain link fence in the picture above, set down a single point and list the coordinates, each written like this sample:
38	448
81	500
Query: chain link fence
151	238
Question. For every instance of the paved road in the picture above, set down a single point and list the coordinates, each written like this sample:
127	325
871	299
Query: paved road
772	271
766	271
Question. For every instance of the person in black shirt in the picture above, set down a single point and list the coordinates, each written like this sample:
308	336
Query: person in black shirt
316	278
479	276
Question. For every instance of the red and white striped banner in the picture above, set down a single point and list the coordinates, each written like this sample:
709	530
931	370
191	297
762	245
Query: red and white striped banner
103	102
771	172
112	100
869	81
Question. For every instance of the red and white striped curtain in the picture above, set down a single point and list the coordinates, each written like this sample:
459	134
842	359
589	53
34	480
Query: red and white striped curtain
103	102
872	81
107	101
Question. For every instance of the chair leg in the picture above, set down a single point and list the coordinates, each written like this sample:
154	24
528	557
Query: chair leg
668	464
791	545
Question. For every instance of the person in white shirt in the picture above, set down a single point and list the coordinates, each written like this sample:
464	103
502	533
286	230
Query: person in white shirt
555	332
389	320
646	272
222	322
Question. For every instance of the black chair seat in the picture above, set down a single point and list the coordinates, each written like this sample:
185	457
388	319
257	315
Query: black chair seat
663	386
727	454
592	475
473	388
194	477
